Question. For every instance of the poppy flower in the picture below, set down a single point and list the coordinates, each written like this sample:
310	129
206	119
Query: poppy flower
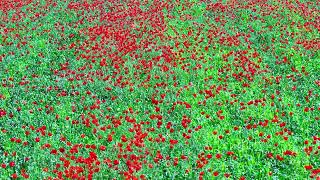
12	164
14	176
2	113
308	167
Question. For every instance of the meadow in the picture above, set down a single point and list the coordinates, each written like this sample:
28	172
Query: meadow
160	89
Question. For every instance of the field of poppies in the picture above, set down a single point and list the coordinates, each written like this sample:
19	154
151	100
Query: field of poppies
159	89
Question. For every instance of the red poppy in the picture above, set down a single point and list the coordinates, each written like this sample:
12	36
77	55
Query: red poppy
2	112
11	164
308	167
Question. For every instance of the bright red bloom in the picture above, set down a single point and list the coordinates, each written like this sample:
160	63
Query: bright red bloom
308	167
3	165
2	112
11	164
14	176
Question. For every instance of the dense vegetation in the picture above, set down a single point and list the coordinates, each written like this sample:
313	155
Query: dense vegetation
185	89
